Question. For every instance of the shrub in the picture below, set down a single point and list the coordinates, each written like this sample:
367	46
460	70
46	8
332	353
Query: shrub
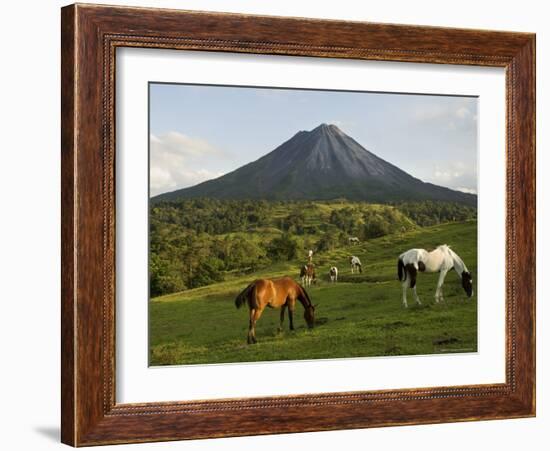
282	248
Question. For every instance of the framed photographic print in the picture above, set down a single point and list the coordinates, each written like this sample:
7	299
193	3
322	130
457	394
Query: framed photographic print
279	225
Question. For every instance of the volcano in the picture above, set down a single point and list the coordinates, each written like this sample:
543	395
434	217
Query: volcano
320	164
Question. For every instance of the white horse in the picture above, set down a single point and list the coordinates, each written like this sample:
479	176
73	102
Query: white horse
333	274
441	260
355	264
353	240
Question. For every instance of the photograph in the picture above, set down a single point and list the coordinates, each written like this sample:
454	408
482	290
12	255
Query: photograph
295	224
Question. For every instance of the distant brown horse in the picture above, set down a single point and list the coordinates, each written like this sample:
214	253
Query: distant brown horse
307	274
275	293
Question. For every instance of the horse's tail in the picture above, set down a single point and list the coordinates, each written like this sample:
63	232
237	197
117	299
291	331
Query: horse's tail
245	295
401	270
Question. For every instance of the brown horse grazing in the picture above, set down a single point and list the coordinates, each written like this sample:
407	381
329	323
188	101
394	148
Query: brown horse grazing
274	293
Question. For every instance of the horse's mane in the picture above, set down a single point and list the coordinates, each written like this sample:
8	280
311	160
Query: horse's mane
305	296
458	258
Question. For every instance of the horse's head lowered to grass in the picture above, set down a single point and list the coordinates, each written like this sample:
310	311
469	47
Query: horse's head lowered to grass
467	283
309	316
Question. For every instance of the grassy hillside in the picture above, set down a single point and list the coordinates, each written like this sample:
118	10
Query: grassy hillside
199	242
359	316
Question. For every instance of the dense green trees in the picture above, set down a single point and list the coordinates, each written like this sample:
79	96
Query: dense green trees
164	275
370	221
212	216
197	242
347	219
240	253
331	239
283	248
427	213
294	222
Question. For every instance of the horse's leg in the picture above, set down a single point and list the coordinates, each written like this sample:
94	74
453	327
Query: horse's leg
416	298
254	317
251	324
405	284
439	289
282	318
291	304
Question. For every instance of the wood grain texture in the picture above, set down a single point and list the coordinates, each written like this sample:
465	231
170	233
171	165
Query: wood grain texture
90	36
68	262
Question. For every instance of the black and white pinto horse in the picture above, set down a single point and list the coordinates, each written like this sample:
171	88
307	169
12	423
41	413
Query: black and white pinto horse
307	274
355	264
333	274
441	260
353	240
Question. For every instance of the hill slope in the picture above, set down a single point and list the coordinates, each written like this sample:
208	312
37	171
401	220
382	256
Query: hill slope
359	316
323	163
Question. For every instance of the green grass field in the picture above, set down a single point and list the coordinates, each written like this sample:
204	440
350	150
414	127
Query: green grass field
360	316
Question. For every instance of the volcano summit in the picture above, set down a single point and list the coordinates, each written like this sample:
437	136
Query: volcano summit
321	164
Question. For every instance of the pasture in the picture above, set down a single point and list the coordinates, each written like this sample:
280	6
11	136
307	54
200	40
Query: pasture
360	316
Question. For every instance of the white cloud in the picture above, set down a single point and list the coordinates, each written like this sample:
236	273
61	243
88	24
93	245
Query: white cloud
179	144
466	190
463	112
430	112
178	161
343	125
451	114
456	175
452	170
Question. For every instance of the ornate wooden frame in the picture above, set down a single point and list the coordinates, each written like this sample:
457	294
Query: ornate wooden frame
90	35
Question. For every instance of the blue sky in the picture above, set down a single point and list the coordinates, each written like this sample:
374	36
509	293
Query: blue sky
201	132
